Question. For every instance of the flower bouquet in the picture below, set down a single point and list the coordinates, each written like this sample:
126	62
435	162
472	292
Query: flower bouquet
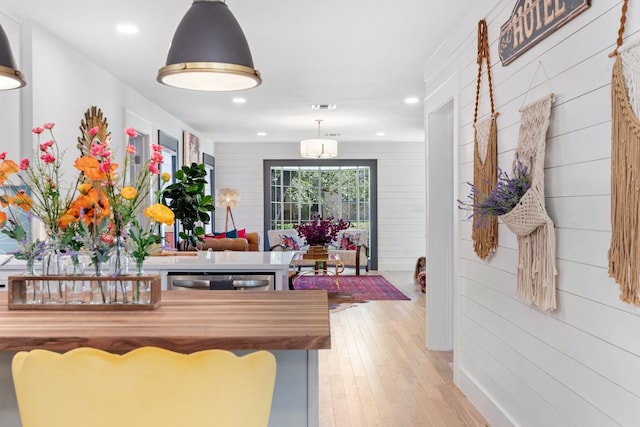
321	231
503	198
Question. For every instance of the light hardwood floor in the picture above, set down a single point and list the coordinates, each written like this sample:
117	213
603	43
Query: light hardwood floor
379	373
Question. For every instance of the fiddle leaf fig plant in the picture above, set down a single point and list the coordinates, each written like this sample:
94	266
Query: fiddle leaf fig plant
189	203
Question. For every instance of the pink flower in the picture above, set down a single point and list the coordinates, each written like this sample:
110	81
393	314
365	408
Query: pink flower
49	143
131	132
44	147
153	168
47	158
24	164
107	238
105	167
157	157
156	147
131	149
96	149
93	131
37	130
49	126
3	155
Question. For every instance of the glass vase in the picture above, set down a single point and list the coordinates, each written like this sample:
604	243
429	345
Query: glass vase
33	288
98	293
74	289
119	258
141	288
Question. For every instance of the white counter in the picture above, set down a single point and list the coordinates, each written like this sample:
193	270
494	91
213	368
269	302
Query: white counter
232	262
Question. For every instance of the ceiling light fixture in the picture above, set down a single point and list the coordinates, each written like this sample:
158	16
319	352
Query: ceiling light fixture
261	133
318	148
239	100
411	100
209	51
10	77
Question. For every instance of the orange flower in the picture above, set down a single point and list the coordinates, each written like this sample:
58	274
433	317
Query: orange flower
160	213
90	167
128	193
23	200
7	168
3	219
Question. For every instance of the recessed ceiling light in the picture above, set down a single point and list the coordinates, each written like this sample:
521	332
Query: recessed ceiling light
411	100
261	134
127	29
239	100
324	106
379	133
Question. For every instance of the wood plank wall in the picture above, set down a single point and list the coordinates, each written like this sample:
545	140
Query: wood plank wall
580	365
401	191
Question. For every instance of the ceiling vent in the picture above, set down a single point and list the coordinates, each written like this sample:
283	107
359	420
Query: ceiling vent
324	106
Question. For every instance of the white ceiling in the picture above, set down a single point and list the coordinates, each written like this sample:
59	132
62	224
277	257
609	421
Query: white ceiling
366	56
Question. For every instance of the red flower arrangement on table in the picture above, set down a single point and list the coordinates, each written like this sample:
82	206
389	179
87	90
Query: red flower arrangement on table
321	231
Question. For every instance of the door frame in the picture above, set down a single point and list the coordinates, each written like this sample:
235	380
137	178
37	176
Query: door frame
442	251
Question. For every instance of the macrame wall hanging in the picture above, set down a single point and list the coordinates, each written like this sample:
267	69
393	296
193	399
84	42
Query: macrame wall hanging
485	155
624	250
529	219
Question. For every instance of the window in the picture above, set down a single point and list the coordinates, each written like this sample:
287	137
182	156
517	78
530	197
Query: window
300	190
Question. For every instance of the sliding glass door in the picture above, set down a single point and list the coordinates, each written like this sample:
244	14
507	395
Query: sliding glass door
301	190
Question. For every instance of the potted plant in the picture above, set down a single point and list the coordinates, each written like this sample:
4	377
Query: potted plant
189	203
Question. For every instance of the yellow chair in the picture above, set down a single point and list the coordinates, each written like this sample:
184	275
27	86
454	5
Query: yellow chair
149	386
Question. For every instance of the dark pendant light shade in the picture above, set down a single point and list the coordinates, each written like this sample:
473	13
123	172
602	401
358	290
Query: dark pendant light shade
209	51
10	78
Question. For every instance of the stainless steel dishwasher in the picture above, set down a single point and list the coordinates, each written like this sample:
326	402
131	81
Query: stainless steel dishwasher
181	280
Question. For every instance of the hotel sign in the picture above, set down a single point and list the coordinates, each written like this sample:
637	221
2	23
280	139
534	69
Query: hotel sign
533	20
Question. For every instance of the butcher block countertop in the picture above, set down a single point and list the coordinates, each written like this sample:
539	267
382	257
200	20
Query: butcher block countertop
186	321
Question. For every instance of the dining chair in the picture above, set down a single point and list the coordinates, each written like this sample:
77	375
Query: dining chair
148	386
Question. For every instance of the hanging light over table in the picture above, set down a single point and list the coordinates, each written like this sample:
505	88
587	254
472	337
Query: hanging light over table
209	51
318	148
10	77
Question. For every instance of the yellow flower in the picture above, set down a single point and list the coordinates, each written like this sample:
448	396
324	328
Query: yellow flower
84	188
128	193
160	213
165	177
3	219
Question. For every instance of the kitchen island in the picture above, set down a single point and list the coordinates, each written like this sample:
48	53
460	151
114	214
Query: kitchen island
293	325
276	263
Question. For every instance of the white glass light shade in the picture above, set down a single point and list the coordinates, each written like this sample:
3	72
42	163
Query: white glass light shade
318	148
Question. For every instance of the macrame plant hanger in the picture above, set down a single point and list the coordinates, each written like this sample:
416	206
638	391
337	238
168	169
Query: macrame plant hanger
529	219
485	155
624	250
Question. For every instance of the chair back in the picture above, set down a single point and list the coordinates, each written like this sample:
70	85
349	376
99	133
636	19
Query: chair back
287	240
148	386
350	239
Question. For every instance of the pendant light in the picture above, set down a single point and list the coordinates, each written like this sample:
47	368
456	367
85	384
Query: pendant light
318	148
209	51
10	78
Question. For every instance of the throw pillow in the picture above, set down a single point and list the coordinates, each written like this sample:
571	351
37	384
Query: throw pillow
231	234
349	241
242	233
289	242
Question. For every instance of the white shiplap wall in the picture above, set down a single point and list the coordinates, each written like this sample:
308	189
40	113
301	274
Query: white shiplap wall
580	365
401	216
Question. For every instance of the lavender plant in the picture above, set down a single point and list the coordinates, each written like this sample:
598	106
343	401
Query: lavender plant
503	198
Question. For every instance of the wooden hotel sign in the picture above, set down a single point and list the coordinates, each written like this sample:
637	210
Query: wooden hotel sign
533	20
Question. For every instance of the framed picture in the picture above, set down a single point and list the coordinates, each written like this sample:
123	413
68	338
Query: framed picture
190	148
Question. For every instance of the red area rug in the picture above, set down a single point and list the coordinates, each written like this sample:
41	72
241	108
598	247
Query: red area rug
363	288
